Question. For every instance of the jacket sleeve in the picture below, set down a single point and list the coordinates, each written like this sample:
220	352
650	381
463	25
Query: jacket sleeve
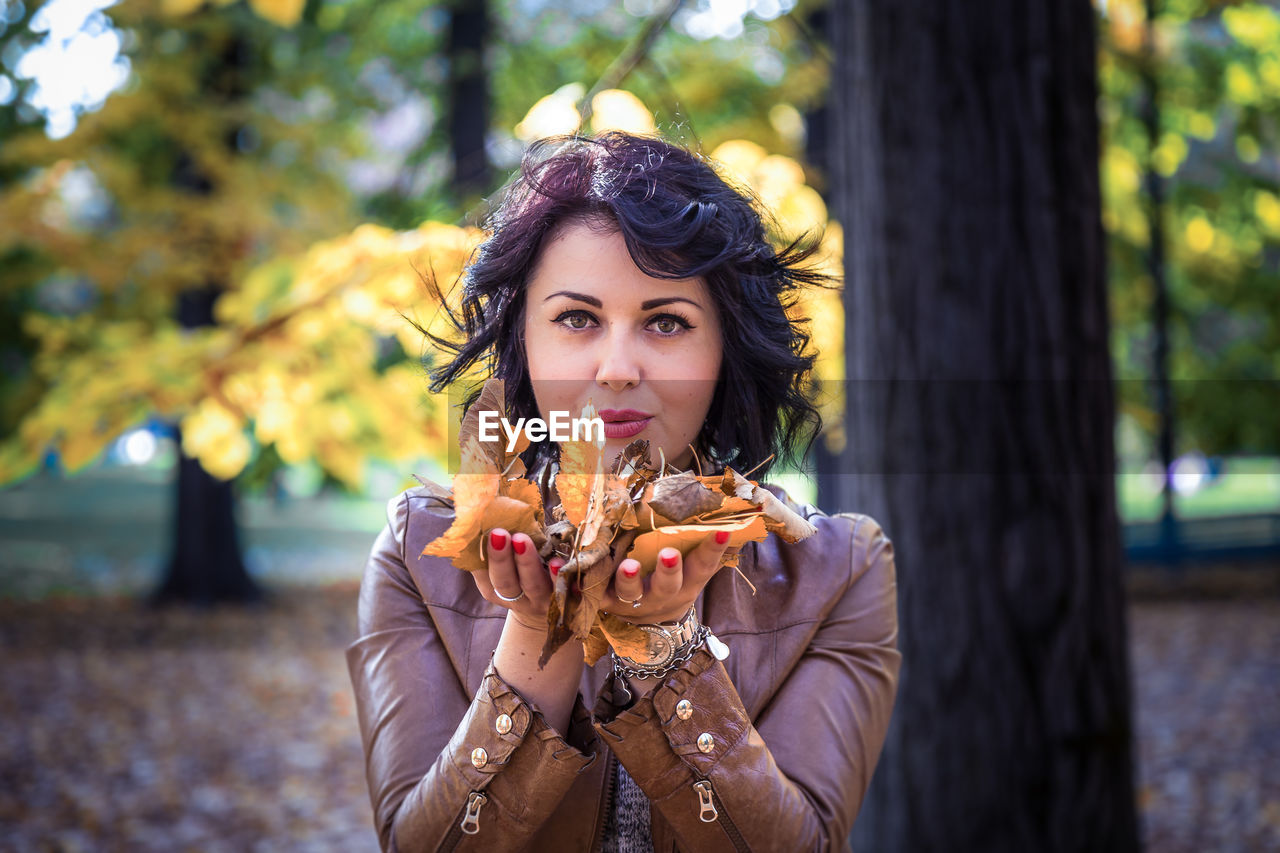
435	757
710	771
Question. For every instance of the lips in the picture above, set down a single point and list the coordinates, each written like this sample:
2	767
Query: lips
615	415
623	423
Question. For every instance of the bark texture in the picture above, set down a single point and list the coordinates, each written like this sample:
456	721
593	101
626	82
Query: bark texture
965	170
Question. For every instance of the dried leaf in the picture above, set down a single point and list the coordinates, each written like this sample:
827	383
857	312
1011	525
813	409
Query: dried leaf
685	538
581	474
595	646
683	496
435	489
781	518
474	487
625	638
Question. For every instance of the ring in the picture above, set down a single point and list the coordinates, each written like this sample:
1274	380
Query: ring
508	600
634	602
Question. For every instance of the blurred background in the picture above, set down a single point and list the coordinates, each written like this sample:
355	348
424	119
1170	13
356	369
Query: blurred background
213	220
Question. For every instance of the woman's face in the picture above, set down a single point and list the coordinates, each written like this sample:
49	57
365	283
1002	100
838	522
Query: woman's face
645	351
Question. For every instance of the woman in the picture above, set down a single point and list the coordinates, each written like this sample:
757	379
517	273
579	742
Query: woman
623	270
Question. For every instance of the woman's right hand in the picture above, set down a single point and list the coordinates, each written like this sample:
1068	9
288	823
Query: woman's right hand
515	567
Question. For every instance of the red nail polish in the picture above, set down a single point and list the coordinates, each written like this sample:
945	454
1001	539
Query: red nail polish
555	565
631	571
722	536
497	541
518	545
669	560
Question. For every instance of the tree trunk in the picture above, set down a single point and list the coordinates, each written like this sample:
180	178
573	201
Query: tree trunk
980	420
468	99
205	566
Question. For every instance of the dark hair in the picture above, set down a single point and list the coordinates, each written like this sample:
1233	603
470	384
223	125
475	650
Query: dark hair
679	219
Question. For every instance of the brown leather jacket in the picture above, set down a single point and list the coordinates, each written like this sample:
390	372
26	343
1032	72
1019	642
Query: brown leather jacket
797	712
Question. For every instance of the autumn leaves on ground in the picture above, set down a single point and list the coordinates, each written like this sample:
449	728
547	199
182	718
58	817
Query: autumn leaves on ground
134	730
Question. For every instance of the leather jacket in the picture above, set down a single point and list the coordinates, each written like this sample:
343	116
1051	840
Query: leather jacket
798	711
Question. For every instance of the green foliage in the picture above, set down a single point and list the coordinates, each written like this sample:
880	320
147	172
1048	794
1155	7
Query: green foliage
1216	67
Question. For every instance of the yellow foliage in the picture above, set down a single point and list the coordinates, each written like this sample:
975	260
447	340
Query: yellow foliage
1241	86
1169	154
285	13
1267	208
1201	126
179	7
1199	234
1253	24
215	436
553	114
1126	19
618	109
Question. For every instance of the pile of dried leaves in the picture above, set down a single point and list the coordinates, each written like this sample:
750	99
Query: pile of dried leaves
590	513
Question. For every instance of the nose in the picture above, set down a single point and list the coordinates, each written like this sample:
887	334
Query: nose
618	367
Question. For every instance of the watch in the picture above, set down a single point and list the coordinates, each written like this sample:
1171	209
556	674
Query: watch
667	640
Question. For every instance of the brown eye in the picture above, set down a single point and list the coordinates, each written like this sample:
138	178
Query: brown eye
669	325
576	320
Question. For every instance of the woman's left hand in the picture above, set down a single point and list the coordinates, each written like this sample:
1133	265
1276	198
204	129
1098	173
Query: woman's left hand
673	586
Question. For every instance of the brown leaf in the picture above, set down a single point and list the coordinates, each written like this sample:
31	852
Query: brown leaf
625	638
435	489
683	496
781	519
581	474
685	538
595	646
473	488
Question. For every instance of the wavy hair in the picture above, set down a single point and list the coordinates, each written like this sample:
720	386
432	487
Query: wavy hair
680	220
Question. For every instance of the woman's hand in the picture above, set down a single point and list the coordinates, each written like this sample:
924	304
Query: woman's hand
515	567
673	586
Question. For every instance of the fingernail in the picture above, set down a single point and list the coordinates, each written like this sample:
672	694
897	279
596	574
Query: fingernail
555	565
631	571
518	545
669	559
497	541
722	536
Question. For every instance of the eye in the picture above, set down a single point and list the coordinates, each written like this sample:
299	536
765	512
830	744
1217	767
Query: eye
576	320
669	325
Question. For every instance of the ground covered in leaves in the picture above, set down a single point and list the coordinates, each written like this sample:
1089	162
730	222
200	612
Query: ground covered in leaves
127	729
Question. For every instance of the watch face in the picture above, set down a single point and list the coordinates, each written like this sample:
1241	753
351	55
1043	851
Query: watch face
660	648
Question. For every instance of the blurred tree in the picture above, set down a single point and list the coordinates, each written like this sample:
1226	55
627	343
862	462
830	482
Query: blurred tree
980	418
469	99
222	152
1208	143
174	254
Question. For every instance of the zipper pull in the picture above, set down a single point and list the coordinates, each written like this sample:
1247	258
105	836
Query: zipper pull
707	809
471	820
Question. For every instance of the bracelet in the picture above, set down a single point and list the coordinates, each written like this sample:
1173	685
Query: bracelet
621	669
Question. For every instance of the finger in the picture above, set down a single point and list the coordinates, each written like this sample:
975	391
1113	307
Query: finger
627	583
704	561
534	578
501	573
668	576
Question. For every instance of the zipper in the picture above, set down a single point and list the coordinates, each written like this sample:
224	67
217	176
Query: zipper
711	809
469	821
610	775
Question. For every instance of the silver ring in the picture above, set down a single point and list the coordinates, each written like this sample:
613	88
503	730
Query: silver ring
508	600
635	602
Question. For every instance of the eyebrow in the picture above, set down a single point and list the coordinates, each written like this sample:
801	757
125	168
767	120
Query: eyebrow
644	306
